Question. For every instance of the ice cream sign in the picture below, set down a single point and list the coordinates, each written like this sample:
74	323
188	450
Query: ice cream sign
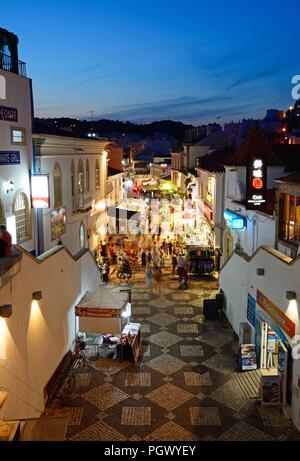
234	221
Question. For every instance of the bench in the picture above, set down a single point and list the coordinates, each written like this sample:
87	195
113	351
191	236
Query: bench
56	381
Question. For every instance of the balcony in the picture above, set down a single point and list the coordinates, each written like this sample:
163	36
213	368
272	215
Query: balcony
10	65
84	201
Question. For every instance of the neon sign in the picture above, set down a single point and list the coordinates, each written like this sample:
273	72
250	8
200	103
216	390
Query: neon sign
256	183
234	221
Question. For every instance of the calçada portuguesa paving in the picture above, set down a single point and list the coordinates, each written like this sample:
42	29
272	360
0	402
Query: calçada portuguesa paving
185	386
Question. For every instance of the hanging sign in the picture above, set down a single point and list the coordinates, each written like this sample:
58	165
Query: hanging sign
284	323
234	221
251	310
256	183
40	191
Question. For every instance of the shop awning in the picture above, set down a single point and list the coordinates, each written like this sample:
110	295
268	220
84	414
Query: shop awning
101	311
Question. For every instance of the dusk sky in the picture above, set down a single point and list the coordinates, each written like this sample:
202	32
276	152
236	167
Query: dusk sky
191	60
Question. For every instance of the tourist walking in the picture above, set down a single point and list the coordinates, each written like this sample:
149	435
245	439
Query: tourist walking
149	276
174	263
144	258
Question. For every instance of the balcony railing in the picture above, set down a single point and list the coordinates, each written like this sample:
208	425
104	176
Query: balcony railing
84	201
9	64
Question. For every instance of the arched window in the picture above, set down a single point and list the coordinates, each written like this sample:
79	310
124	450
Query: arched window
97	175
82	236
57	186
2	215
21	212
2	87
80	176
87	175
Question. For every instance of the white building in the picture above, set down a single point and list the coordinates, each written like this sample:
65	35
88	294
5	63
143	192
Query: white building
263	293
77	169
16	113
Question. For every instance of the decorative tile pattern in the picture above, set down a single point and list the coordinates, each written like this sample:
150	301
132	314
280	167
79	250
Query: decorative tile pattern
205	416
99	431
244	432
145	350
164	339
171	432
222	363
191	351
273	417
230	395
189	328
181	296
138	379
184	310
196	379
162	319
105	396
145	328
109	366
166	364
213	340
136	416
198	318
141	310
169	396
83	379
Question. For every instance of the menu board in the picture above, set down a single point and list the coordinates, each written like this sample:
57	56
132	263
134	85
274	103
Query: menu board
248	357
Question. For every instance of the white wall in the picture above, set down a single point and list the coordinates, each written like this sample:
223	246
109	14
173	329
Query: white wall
36	337
18	96
238	278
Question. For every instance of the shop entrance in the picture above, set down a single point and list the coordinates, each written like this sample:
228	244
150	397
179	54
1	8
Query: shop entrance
274	355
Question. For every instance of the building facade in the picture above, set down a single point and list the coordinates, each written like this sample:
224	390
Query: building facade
16	115
77	170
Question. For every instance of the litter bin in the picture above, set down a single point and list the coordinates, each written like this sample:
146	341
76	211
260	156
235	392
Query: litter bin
210	309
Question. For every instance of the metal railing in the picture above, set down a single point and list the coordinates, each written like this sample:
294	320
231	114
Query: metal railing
10	65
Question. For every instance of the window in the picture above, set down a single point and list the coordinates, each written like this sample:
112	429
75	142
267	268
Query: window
289	217
21	212
82	236
73	174
80	177
57	186
97	175
18	135
87	175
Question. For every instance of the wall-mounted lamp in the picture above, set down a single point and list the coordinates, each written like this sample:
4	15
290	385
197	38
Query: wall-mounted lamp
6	311
10	187
37	295
290	295
260	271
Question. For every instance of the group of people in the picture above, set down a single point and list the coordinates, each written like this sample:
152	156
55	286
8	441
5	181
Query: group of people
5	242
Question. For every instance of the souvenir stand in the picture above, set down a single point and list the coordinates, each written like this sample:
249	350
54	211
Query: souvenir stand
203	260
103	318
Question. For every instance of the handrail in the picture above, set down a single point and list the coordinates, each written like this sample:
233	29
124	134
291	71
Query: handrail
7	63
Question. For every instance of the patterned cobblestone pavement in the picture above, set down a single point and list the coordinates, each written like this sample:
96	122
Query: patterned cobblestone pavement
182	389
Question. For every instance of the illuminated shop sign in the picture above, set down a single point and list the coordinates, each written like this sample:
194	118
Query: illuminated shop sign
58	220
9	158
256	183
40	191
234	221
9	114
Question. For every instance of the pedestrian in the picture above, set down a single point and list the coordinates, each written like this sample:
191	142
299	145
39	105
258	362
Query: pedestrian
149	257
144	258
170	245
149	276
174	263
181	264
6	238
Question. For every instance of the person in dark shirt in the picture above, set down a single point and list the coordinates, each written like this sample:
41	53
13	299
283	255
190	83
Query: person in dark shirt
6	238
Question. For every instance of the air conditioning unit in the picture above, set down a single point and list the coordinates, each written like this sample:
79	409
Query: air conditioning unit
245	333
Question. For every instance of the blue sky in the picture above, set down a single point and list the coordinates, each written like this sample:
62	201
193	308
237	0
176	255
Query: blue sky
189	60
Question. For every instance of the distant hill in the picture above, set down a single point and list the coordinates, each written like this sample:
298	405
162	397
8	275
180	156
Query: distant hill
113	127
